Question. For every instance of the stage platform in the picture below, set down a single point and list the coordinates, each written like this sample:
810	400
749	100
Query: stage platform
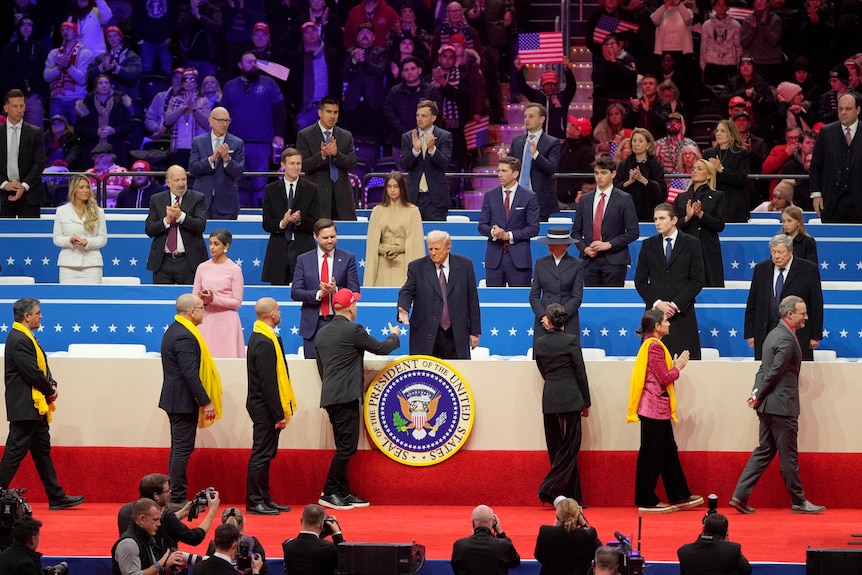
774	540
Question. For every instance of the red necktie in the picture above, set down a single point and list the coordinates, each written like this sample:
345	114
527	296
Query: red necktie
597	219
324	277
847	136
506	204
171	244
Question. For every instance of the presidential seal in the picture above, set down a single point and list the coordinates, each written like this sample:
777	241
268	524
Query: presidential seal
419	410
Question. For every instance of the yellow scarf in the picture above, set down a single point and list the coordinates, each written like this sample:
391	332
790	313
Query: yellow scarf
40	402
285	389
639	380
210	378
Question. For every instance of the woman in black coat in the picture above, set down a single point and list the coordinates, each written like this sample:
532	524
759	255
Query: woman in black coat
642	175
104	115
700	210
565	398
567	547
793	224
730	160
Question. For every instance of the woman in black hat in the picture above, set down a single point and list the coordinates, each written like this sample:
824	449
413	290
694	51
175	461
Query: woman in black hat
558	278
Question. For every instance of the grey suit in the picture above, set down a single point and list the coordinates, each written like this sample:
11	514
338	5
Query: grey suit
776	386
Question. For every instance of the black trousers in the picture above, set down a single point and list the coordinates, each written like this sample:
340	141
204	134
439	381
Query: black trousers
184	429
18	209
174	271
264	447
658	456
32	436
563	438
777	436
344	418
599	273
444	344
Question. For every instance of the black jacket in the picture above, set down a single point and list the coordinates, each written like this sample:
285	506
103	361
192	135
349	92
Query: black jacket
22	376
18	559
708	556
484	554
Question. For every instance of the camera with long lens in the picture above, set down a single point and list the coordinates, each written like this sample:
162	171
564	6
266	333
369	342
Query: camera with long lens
631	561
244	552
200	501
711	506
327	526
61	568
13	507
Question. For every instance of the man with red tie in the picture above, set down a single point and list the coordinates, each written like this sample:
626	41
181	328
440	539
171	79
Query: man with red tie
509	218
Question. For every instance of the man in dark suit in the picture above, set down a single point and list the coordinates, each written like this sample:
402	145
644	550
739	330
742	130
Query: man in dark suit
319	274
668	277
775	398
28	376
222	562
291	207
604	240
183	395
307	553
340	347
270	404
712	552
509	219
441	289
772	280
217	161
425	154
22	159
836	166
488	551
328	155
21	558
540	164
558	278
176	222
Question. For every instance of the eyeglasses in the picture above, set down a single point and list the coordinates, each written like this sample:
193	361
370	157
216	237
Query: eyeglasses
165	491
221	120
190	79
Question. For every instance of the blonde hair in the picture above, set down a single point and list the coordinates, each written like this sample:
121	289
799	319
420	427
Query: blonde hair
795	212
568	514
91	208
710	170
233	516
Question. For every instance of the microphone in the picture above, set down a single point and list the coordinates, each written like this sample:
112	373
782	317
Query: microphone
623	539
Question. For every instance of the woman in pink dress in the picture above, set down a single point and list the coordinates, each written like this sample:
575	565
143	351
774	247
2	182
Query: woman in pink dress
219	284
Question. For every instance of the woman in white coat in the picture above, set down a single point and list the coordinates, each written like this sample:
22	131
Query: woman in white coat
80	230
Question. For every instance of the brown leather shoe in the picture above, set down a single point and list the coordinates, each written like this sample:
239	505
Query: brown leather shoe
741	506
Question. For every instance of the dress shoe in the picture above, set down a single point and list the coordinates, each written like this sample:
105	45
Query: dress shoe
355	500
66	502
692	501
260	509
808	508
276	506
660	508
334	501
741	506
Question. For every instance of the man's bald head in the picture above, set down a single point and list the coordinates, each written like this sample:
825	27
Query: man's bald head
268	311
219	121
175	178
483	516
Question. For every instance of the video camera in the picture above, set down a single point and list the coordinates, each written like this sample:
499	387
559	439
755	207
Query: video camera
61	568
13	507
244	552
201	499
631	561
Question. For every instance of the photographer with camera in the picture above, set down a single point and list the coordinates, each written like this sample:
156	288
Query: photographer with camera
172	530
607	561
248	544
135	552
567	547
488	551
22	558
712	553
227	541
309	553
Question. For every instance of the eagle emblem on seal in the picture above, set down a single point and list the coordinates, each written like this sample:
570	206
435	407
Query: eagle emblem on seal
418	408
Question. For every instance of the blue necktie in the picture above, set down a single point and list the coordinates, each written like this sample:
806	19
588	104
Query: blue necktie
333	171
779	286
526	163
668	248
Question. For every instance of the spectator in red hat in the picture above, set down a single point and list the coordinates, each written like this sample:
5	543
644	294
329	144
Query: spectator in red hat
262	46
327	21
91	16
120	64
556	101
138	193
376	12
577	157
66	72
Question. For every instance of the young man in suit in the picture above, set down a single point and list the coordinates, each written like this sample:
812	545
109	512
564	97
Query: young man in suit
441	289
775	398
308	553
328	154
606	222
488	551
176	222
217	161
558	278
291	207
22	159
509	219
223	560
668	277
539	154
319	274
712	552
425	154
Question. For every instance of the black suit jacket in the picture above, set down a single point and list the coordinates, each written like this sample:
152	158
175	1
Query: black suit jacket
316	168
619	226
422	293
182	390
264	401
831	156
542	170
31	162
308	554
558	356
307	201
708	556
563	553
562	284
22	376
484	554
433	166
645	196
214	566
195	207
18	559
679	281
296	62
803	280
705	228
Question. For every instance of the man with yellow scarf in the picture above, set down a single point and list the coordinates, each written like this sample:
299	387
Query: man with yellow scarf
191	390
271	402
30	396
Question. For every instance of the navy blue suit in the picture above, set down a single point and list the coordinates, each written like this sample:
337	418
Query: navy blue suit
433	205
619	227
306	284
219	184
507	262
542	171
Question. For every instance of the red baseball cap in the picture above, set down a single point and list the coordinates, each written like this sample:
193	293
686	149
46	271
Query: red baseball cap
72	25
737	101
344	298
114	29
549	77
141	166
260	27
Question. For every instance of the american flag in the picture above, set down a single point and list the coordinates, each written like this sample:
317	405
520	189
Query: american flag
476	132
610	25
739	13
540	47
676	186
273	69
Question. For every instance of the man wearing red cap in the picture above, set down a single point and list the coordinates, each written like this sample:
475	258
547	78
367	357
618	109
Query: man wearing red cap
555	101
341	345
577	157
376	12
66	72
138	193
119	63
